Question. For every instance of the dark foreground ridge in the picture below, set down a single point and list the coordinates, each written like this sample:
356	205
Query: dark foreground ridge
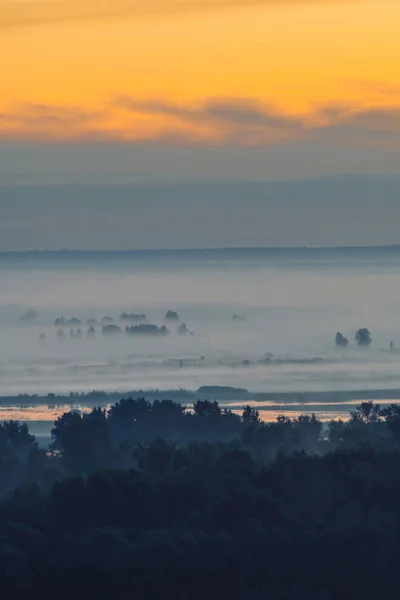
149	501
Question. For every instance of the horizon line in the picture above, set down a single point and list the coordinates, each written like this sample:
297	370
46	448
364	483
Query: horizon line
395	246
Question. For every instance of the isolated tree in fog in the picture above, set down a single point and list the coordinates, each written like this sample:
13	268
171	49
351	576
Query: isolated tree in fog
171	316
363	337
341	340
182	329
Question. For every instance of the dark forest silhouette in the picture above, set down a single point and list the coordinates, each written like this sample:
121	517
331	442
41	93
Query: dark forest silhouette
150	500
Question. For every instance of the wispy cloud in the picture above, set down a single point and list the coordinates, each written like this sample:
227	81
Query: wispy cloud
250	122
23	13
41	121
237	122
233	120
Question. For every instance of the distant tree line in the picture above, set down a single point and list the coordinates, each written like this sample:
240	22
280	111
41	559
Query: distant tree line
110	328
109	438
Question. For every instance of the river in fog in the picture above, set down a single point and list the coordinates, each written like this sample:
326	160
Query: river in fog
289	305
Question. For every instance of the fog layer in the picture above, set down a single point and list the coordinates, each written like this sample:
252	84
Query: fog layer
264	320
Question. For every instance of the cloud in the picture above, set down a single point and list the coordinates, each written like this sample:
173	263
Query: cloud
43	114
159	106
367	128
231	120
237	122
26	13
250	122
40	121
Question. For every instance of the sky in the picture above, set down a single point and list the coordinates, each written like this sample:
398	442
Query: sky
166	92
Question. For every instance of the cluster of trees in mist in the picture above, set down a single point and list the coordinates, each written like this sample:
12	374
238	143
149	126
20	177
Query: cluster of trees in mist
137	326
139	318
362	338
150	500
130	323
112	330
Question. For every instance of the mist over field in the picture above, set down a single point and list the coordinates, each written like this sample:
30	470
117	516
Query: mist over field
264	320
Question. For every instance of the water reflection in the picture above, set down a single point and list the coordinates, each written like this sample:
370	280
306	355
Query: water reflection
40	418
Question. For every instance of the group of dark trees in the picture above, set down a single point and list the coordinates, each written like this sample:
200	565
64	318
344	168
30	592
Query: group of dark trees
73	334
149	500
63	322
110	328
133	317
92	322
143	329
362	338
152	330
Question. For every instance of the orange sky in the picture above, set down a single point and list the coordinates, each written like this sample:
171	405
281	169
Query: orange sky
113	69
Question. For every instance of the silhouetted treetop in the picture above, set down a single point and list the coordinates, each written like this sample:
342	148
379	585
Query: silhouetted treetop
107	320
15	439
141	318
74	322
171	316
206	408
341	340
363	337
92	322
367	412
183	330
251	416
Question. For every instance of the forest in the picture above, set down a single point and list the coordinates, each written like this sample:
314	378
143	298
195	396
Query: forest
149	500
